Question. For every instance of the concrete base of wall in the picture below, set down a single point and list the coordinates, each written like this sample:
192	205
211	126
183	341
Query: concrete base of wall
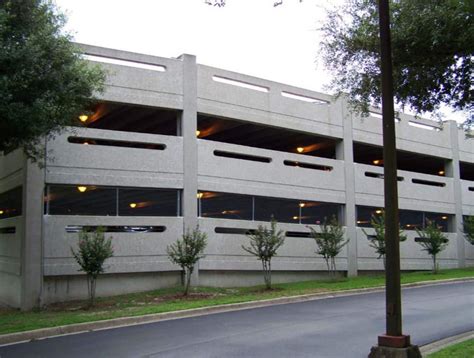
10	289
68	288
253	278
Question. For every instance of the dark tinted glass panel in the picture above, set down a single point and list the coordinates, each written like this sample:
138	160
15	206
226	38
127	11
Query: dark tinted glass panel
148	202
409	219
441	220
11	203
282	210
81	200
226	206
314	213
365	213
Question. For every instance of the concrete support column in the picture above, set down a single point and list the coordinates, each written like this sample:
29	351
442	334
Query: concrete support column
344	151
190	150
32	242
452	169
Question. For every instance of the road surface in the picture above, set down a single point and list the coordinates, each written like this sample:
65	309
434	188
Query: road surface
335	327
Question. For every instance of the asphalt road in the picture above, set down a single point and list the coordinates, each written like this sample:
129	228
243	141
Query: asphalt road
334	327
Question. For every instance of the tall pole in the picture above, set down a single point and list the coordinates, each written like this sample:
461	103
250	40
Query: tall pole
392	272
393	343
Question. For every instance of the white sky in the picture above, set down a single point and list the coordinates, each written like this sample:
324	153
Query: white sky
246	36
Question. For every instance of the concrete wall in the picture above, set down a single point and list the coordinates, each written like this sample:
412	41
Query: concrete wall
189	164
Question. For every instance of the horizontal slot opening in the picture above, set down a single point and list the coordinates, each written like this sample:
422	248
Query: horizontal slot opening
424	239
428	182
297	234
292	163
471	188
303	98
242	84
235	231
379	176
110	229
129	63
253	158
115	143
424	126
8	230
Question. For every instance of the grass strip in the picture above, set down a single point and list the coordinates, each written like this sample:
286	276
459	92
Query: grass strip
460	350
167	300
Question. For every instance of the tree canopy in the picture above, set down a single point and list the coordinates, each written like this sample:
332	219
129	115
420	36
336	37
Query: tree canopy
44	82
432	50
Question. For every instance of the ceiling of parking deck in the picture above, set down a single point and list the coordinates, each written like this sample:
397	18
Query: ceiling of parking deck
266	137
129	118
414	162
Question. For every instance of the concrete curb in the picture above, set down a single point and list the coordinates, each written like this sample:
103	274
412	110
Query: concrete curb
12	338
443	343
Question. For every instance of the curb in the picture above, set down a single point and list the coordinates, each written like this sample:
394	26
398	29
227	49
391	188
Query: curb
446	342
20	337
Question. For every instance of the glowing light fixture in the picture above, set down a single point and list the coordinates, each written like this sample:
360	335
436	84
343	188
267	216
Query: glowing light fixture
300	149
82	189
200	195
85	143
377	161
408	225
441	172
444	217
295	218
83	118
133	205
1	212
197	133
302	205
378	212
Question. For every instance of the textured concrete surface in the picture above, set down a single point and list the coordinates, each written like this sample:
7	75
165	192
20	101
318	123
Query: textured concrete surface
337	327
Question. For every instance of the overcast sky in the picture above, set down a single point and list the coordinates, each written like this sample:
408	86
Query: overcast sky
246	36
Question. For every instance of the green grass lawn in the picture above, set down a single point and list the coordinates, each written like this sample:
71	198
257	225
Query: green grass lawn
167	300
461	350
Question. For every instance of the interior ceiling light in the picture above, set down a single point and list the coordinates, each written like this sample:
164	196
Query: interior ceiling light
82	188
441	172
302	205
377	161
378	211
200	195
295	218
444	217
83	118
1	212
300	149
197	133
133	205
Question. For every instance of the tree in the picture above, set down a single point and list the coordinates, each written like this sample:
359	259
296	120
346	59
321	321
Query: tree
93	250
264	244
44	82
432	240
377	241
329	242
468	224
187	252
432	53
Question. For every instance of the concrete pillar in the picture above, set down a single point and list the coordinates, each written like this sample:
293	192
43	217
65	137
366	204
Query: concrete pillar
190	155
454	171
32	242
344	151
